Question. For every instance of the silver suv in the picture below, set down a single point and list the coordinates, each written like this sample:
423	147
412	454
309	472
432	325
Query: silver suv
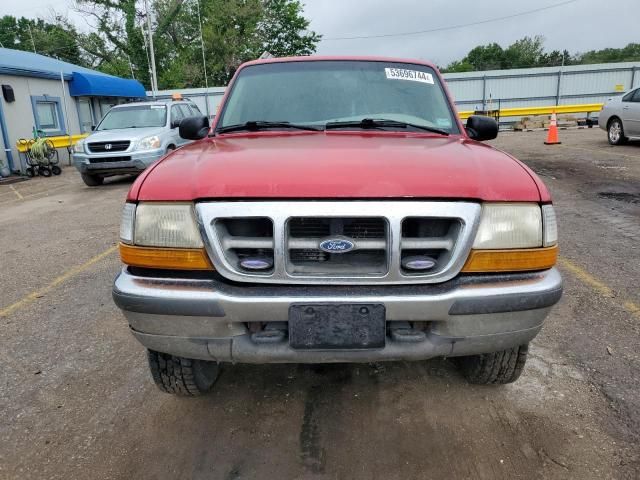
130	137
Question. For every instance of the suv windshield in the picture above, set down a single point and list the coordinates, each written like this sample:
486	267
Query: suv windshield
315	93
135	116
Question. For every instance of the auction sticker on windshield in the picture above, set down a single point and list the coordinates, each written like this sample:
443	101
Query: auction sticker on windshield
413	75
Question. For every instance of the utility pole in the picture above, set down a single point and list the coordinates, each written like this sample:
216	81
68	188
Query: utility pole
154	78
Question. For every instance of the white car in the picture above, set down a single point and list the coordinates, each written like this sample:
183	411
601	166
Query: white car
620	117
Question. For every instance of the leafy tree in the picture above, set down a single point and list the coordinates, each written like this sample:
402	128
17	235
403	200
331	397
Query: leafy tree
529	52
117	46
56	38
630	53
234	31
284	31
486	57
524	53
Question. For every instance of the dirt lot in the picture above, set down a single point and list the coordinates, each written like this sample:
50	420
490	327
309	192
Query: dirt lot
77	401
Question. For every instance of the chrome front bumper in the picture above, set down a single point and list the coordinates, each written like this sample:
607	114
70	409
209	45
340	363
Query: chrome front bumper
101	163
206	318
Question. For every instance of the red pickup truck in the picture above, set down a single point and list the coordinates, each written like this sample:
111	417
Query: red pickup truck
337	210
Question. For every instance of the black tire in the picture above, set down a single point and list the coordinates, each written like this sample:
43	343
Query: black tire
30	172
615	132
56	170
182	376
494	368
44	171
92	180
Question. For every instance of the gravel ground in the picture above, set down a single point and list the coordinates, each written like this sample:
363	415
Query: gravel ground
78	402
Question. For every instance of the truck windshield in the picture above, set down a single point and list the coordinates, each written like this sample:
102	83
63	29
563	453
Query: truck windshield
135	116
317	93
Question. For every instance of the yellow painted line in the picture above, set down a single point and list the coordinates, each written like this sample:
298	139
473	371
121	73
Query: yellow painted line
31	195
18	194
36	294
599	286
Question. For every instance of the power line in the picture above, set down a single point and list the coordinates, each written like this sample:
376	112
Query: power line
453	27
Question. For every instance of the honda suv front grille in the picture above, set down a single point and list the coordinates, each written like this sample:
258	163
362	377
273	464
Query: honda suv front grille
106	147
339	242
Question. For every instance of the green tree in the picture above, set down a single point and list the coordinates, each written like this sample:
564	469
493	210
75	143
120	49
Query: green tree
56	38
117	46
630	53
486	57
234	31
284	31
524	53
529	52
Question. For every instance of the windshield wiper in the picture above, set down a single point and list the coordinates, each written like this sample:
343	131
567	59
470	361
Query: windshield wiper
255	125
382	123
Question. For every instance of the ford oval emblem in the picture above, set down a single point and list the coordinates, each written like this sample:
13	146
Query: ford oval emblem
337	245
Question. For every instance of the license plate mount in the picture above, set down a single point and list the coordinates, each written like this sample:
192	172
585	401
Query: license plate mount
337	326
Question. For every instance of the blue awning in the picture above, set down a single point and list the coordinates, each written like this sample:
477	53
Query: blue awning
88	84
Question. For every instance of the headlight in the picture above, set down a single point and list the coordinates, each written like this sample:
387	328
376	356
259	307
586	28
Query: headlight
149	143
162	236
78	147
166	225
509	225
514	237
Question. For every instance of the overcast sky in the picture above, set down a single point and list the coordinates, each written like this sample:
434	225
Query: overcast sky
579	26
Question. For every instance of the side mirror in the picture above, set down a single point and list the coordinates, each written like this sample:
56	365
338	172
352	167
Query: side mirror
481	128
175	124
93	128
194	128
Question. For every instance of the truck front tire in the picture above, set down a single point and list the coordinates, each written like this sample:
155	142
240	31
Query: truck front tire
92	180
182	376
494	368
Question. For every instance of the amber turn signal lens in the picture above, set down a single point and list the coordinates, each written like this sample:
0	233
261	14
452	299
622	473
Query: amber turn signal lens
526	259
168	258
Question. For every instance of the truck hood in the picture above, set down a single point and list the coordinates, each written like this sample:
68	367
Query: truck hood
337	165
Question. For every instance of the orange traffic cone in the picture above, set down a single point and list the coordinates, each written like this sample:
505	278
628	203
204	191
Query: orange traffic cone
552	135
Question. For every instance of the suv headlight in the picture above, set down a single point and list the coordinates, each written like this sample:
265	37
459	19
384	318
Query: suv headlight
514	237
78	147
149	143
162	235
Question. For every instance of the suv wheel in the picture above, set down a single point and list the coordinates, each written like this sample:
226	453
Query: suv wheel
92	180
182	376
615	132
500	367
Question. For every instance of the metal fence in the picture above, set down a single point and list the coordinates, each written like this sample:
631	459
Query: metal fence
578	84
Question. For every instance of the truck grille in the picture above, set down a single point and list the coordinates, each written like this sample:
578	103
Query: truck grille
306	233
105	147
388	242
246	238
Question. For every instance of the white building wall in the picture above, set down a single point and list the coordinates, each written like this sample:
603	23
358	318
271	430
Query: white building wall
19	115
